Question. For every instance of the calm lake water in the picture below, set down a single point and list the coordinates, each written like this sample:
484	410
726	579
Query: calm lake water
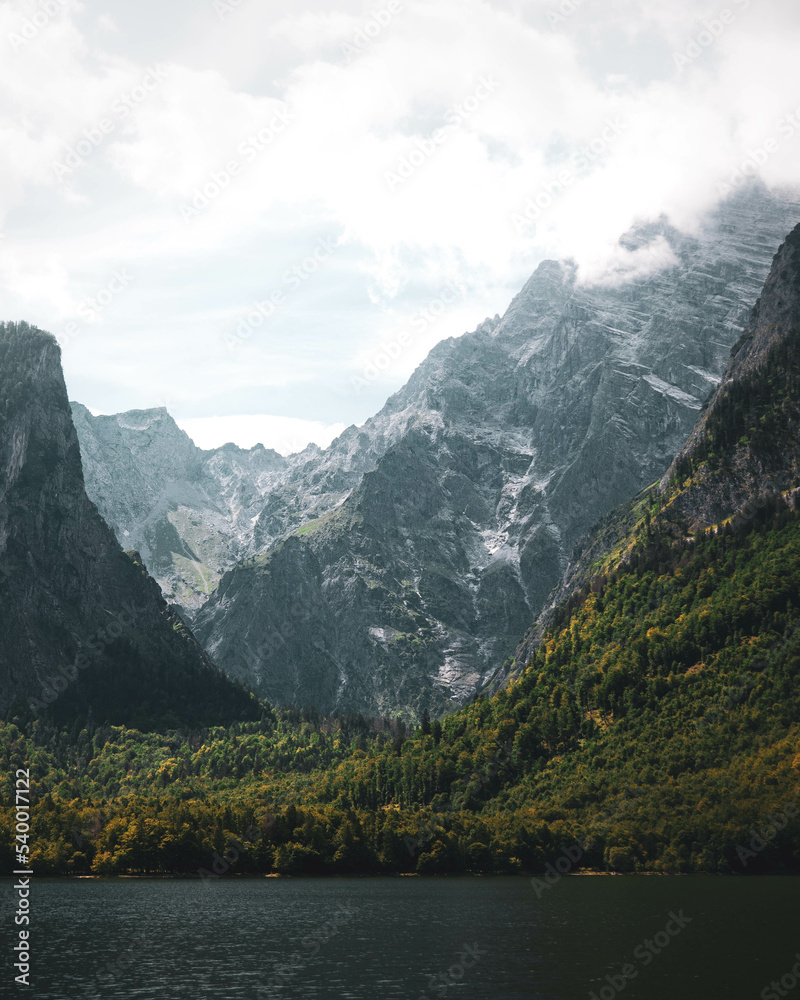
459	938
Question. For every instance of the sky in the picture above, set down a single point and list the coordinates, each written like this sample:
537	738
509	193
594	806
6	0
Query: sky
263	216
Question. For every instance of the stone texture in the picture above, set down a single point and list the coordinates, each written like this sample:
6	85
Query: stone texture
64	579
479	476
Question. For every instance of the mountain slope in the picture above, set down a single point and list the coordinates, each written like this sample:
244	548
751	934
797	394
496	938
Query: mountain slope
79	615
655	721
744	449
524	433
654	728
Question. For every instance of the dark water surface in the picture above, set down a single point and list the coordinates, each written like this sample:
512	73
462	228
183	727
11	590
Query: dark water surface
459	938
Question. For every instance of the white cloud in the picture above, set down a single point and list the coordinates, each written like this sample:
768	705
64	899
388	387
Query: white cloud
682	131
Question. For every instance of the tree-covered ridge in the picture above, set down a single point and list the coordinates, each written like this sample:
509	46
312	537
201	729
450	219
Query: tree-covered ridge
744	450
747	441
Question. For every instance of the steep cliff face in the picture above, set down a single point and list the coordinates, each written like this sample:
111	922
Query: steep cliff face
584	392
742	455
81	619
746	445
520	435
189	512
378	604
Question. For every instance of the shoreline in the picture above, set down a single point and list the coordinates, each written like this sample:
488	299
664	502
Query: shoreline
179	877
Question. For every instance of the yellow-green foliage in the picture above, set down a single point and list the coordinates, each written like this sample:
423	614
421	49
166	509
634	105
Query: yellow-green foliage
658	719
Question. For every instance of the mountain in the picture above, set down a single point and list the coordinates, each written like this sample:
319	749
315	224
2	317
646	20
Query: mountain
189	512
653	726
742	454
746	447
86	631
477	479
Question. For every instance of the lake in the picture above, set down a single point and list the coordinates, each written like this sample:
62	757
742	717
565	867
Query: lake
461	938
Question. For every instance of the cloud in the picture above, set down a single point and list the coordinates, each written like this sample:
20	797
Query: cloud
458	145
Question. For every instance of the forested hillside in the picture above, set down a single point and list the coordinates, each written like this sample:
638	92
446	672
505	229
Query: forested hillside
656	726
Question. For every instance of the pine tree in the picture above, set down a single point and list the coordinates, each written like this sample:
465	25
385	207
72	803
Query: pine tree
426	722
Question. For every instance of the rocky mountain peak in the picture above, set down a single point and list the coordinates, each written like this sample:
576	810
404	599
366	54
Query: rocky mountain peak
525	431
480	475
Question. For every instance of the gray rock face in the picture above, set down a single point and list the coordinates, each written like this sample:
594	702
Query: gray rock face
194	514
189	512
475	481
742	454
745	447
399	568
67	589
